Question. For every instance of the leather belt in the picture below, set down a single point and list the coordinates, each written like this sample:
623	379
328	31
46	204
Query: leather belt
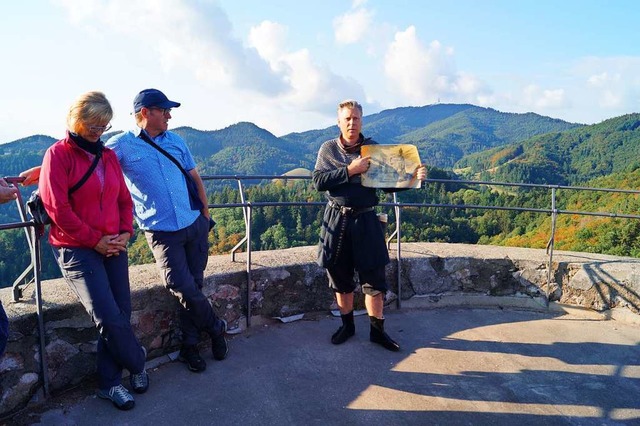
349	210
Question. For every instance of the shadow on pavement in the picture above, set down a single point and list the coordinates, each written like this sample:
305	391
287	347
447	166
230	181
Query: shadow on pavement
457	366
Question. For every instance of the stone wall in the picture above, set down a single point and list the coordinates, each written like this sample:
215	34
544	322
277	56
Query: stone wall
288	282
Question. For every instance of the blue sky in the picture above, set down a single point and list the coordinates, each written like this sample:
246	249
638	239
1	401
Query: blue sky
285	64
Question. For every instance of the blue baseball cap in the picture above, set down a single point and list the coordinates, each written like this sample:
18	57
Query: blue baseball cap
152	98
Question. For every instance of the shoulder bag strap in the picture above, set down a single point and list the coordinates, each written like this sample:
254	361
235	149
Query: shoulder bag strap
148	140
82	181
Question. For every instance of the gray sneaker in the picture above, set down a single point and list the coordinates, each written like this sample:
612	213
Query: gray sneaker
119	396
140	382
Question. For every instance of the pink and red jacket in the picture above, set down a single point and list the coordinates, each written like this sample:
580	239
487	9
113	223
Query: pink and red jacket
99	207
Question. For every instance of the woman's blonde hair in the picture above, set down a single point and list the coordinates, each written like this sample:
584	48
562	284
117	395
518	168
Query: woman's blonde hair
89	108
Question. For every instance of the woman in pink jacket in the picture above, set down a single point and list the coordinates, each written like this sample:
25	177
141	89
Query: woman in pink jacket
92	223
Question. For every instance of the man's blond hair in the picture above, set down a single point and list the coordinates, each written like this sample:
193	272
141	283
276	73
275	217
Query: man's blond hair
351	104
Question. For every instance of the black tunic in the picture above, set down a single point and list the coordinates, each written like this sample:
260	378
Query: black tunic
368	247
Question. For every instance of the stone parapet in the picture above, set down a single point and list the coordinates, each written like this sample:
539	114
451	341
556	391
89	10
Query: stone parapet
288	282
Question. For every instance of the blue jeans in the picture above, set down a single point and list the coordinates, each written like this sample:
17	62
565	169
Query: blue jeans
182	256
102	285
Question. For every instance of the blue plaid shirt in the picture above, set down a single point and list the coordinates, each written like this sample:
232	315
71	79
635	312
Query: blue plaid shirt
157	186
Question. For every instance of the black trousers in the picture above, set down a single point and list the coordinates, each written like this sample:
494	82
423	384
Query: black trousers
182	257
4	329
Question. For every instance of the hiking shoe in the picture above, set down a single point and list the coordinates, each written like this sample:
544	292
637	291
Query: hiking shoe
140	382
219	346
190	355
119	396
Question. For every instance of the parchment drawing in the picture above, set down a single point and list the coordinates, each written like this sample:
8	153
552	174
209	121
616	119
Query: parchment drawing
392	166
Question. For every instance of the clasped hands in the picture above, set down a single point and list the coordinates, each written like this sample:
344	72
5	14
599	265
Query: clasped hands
112	245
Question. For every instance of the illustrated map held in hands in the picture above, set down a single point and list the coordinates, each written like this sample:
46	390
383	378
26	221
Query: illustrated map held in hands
392	166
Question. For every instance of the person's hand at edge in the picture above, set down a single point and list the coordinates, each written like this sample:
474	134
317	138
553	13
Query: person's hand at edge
7	192
31	176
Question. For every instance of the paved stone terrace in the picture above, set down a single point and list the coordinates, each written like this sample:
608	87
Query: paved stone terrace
605	282
457	367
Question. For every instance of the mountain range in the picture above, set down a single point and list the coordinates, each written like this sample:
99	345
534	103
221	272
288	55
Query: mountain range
473	141
443	133
562	158
468	141
453	141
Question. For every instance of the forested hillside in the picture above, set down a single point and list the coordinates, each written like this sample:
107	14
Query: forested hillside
23	154
242	149
601	155
281	227
446	141
443	133
569	157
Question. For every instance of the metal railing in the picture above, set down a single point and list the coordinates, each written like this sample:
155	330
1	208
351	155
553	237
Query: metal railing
33	233
247	206
397	206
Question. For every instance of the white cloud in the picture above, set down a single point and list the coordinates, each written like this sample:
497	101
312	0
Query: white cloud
352	26
610	99
587	90
312	86
269	39
186	48
468	85
189	49
609	88
183	37
196	37
425	74
535	97
614	82
602	79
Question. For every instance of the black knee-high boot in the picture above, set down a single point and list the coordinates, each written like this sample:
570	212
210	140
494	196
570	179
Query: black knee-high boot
377	335
346	330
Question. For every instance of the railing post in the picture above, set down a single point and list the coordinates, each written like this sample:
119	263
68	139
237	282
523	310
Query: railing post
395	231
35	260
21	281
248	209
550	244
246	222
396	208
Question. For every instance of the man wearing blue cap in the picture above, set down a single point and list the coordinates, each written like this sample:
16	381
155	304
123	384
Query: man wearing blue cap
170	205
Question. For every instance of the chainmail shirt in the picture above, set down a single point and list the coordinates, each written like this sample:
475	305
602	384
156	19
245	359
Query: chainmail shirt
330	174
